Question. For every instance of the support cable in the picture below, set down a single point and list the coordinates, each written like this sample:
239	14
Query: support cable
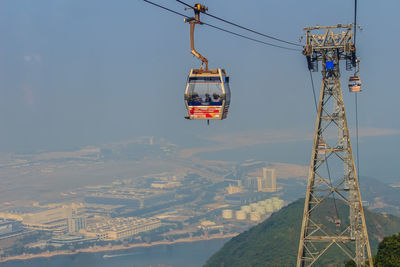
355	98
222	29
355	21
330	182
242	27
313	90
357	148
250	38
326	159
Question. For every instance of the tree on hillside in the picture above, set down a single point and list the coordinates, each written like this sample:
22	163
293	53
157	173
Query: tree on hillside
351	264
388	252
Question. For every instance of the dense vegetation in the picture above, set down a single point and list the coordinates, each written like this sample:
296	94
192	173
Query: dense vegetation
275	241
388	252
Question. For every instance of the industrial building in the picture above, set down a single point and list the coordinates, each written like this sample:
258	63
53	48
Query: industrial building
54	219
120	228
8	227
76	223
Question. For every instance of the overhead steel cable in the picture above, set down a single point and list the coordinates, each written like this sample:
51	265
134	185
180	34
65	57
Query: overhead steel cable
326	158
250	38
242	27
337	215
331	185
355	98
355	20
222	29
357	148
313	90
163	7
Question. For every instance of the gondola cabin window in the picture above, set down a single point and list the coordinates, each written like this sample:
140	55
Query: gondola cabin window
205	91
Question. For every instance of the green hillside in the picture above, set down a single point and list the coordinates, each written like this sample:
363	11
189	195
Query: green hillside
275	241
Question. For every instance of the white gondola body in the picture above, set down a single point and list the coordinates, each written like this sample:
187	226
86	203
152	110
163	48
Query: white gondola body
207	95
354	84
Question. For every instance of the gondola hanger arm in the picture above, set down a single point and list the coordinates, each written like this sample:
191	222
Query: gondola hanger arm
193	21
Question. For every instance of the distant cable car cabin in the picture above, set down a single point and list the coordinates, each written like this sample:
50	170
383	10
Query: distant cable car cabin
207	93
355	81
354	84
322	147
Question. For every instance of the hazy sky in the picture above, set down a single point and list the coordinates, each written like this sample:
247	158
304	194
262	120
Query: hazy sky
78	72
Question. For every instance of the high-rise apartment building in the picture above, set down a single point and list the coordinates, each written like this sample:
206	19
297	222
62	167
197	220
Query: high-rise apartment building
267	183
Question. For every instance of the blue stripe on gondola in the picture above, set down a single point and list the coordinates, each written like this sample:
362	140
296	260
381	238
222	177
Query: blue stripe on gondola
205	104
204	79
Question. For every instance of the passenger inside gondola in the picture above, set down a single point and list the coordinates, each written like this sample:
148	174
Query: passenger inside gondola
216	99
207	99
195	99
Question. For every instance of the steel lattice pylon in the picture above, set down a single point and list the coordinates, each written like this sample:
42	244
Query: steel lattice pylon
344	231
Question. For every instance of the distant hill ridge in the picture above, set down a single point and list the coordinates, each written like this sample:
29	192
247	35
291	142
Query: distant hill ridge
275	241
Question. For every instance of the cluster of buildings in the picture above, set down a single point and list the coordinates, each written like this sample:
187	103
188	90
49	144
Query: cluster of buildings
132	207
68	225
260	180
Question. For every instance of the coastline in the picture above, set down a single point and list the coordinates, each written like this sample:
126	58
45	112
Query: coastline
97	249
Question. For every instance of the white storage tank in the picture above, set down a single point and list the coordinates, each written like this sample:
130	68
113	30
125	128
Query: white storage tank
268	201
246	209
281	203
261	210
269	208
227	214
277	203
253	206
255	217
240	215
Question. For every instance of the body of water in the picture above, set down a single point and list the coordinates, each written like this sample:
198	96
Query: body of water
177	255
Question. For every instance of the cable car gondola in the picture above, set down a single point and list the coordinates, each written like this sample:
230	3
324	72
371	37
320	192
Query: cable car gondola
354	84
355	81
207	93
322	146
